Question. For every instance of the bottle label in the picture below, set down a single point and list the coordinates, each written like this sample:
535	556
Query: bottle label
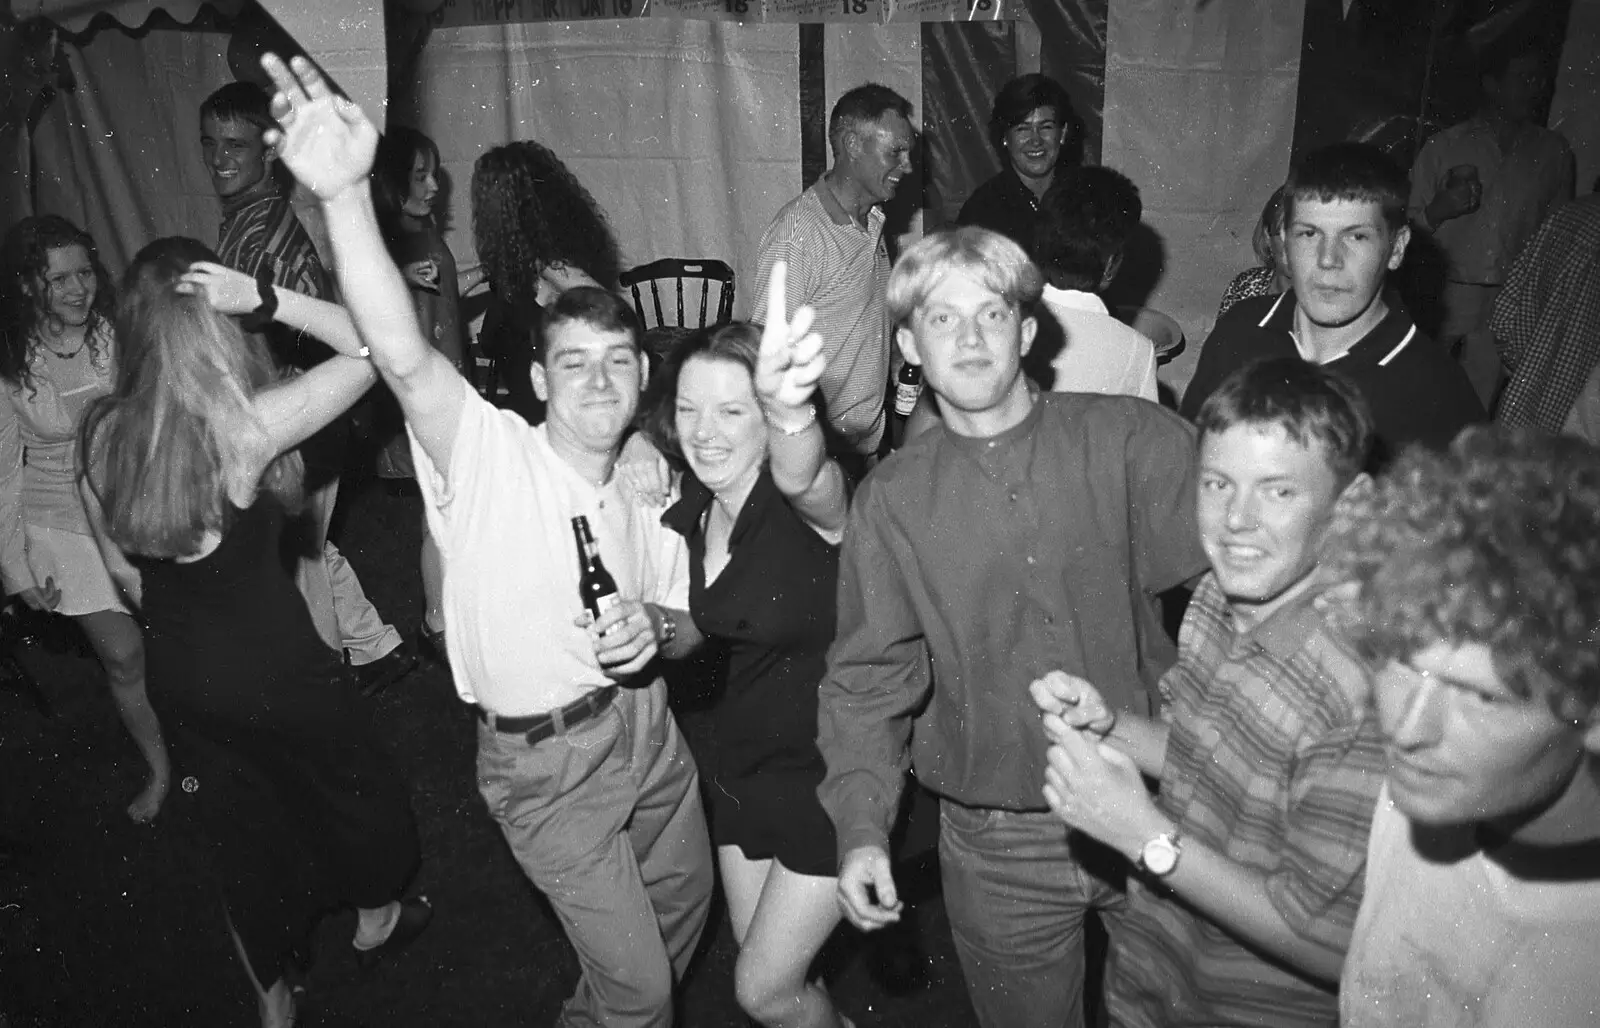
905	398
606	602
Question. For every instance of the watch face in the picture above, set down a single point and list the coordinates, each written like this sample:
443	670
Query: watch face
1160	855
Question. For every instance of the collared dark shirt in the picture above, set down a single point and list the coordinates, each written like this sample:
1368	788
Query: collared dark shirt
771	608
971	567
1004	205
1416	391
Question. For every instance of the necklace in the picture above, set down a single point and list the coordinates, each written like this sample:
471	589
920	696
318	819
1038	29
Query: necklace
65	356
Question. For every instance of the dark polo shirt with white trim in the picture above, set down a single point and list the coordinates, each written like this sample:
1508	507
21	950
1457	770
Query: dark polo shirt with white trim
1417	392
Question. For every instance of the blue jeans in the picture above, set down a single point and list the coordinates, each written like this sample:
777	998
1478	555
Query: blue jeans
1016	888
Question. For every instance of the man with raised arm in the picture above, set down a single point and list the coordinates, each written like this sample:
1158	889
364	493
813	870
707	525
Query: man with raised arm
579	759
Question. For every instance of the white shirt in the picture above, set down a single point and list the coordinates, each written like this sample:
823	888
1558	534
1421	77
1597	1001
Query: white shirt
1100	354
1448	938
1519	188
503	523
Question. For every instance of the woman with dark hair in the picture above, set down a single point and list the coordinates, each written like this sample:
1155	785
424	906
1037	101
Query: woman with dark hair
191	467
57	355
763	508
1271	275
404	188
1036	133
538	232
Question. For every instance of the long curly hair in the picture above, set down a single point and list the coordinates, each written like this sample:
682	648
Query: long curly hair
167	448
529	213
24	295
1496	541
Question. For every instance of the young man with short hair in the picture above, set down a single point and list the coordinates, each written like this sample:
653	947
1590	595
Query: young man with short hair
1023	533
261	235
831	238
1345	230
1251	855
1084	224
1476	595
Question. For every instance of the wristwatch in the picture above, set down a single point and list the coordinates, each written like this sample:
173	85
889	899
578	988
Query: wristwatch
1159	856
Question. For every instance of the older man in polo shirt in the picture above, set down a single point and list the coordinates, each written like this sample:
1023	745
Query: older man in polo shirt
831	237
1023	532
1346	230
579	760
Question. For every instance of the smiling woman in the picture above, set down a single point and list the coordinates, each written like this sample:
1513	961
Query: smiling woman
57	355
1036	132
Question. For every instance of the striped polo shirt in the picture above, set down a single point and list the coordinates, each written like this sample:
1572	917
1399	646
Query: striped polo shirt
1274	761
842	271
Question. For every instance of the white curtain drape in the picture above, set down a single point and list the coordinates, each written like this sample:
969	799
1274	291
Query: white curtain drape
120	155
1200	108
686	132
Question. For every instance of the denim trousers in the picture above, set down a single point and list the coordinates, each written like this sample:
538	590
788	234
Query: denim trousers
1017	885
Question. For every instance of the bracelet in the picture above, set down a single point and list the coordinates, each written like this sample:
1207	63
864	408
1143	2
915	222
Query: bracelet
258	319
666	629
811	419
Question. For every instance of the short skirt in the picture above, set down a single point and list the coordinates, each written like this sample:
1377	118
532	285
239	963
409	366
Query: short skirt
73	560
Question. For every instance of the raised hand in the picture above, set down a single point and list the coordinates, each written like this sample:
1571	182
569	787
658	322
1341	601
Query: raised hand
325	140
791	360
226	290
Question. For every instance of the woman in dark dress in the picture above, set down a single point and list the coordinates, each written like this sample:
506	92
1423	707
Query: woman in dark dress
763	508
1037	134
190	470
538	232
404	188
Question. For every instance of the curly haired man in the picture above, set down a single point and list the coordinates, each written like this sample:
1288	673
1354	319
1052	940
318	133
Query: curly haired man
1476	597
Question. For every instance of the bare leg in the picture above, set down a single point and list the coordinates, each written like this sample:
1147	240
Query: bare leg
792	919
119	644
275	1002
432	582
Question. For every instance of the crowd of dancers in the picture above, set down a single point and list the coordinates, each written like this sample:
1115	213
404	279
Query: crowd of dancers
1363	790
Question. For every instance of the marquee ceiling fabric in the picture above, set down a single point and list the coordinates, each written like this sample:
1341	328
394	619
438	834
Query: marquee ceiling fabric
75	15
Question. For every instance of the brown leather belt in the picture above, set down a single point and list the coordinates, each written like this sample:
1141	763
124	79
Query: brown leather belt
538	727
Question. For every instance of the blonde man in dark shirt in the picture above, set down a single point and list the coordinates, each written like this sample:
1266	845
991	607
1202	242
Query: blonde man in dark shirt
1022	534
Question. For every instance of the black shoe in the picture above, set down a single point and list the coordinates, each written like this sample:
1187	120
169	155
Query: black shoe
430	646
414	917
387	670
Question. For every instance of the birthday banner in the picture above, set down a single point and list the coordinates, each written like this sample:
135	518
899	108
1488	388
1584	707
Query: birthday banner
456	13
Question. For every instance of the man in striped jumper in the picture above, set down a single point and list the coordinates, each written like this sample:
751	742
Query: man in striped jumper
1250	859
831	235
260	235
